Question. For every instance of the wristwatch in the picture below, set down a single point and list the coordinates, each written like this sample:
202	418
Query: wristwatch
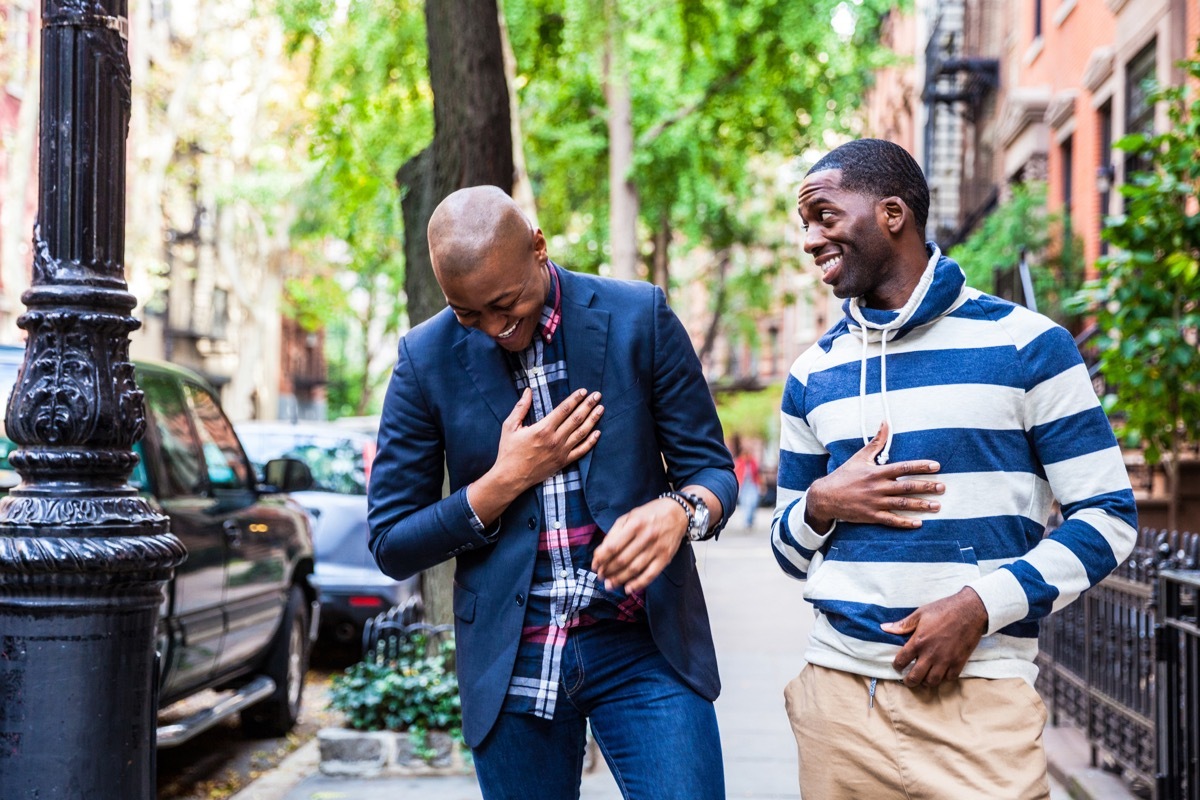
698	521
697	514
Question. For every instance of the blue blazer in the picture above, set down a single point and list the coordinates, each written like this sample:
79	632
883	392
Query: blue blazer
450	392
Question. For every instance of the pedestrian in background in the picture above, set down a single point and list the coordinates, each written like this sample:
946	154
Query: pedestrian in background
922	548
745	467
584	453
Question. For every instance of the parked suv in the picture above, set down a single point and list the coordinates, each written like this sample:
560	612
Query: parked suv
238	614
352	588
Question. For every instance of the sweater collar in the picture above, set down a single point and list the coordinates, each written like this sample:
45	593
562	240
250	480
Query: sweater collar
934	297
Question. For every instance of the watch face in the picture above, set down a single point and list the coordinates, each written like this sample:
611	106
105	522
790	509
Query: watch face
701	514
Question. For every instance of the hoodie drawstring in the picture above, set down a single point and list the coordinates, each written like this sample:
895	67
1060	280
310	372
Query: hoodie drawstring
882	458
862	390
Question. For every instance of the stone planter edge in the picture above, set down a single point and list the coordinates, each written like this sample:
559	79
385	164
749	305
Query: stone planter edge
349	753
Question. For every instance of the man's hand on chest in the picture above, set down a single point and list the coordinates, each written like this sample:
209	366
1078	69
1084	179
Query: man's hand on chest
529	454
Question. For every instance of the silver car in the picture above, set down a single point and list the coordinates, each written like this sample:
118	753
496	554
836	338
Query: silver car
351	587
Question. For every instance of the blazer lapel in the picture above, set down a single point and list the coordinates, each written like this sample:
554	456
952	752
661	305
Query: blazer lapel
488	368
586	338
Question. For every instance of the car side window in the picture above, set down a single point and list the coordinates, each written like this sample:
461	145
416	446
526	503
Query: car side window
137	479
228	467
183	465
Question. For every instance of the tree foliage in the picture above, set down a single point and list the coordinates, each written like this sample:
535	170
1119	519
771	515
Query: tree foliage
715	84
1148	295
370	109
1021	226
723	93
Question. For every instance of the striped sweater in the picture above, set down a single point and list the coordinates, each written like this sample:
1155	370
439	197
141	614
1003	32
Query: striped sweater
997	395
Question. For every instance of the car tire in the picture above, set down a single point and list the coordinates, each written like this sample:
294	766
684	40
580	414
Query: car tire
286	664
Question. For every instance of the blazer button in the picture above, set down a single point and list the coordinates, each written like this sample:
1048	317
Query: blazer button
532	523
520	599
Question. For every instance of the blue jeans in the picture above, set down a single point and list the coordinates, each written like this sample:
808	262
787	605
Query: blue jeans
658	736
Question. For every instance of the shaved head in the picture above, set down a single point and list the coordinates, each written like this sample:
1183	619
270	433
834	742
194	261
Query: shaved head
491	264
472	225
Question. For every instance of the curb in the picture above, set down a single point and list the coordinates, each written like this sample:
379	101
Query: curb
275	783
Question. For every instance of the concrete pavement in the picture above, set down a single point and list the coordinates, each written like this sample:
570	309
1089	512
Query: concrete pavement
760	624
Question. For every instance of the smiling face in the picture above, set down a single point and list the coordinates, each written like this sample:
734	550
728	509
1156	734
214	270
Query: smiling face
847	235
503	294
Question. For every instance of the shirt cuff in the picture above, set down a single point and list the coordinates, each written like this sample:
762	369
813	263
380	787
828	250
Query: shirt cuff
804	534
476	522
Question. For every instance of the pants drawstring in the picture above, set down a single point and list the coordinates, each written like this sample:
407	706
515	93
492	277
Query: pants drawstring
871	701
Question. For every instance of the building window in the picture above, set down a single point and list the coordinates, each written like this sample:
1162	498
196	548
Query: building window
1139	110
1067	151
220	314
1104	170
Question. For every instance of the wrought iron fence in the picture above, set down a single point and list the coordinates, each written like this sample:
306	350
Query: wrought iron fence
384	634
1100	661
1179	679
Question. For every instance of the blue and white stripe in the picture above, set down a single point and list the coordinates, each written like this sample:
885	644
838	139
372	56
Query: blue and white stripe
999	396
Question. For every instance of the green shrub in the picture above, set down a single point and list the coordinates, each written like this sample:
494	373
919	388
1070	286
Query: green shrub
412	688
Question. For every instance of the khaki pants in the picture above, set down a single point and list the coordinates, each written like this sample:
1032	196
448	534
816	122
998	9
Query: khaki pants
971	739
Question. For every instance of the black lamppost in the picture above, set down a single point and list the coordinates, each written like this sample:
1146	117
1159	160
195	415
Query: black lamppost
83	559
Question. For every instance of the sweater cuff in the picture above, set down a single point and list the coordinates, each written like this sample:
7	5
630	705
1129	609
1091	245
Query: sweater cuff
1003	597
801	531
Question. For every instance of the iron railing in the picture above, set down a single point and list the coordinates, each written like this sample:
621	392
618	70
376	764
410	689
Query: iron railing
385	634
1101	661
1179	677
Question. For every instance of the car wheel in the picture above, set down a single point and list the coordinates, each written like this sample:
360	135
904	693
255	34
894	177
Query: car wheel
286	664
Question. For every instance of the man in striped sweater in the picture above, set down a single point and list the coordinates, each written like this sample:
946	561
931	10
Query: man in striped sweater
923	549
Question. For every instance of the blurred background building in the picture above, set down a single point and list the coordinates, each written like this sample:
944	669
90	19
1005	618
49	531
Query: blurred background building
205	263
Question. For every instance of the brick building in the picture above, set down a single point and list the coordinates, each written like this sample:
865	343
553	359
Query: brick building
1040	90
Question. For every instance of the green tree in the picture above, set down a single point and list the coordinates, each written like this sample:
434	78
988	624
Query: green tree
1147	299
370	110
720	95
1021	226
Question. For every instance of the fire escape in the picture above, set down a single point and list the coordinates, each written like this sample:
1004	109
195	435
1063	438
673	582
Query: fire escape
956	94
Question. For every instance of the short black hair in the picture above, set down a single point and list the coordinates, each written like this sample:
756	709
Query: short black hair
879	169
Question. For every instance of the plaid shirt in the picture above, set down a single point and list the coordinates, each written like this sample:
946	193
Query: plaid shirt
564	592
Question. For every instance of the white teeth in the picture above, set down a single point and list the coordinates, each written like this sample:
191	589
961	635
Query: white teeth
507	333
831	263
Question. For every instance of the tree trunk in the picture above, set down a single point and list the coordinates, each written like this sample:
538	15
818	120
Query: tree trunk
662	256
1172	470
364	386
622	193
714	325
472	146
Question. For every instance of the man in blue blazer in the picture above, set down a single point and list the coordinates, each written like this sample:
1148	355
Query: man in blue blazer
584	455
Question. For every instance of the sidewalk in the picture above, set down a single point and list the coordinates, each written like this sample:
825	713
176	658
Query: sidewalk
760	625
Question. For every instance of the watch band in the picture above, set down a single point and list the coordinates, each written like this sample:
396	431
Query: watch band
691	518
699	530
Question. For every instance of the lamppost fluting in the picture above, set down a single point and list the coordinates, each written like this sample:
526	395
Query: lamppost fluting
83	558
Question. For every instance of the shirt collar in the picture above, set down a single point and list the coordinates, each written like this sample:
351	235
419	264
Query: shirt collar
552	310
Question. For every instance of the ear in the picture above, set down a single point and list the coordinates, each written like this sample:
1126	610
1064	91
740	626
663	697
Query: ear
539	246
893	214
